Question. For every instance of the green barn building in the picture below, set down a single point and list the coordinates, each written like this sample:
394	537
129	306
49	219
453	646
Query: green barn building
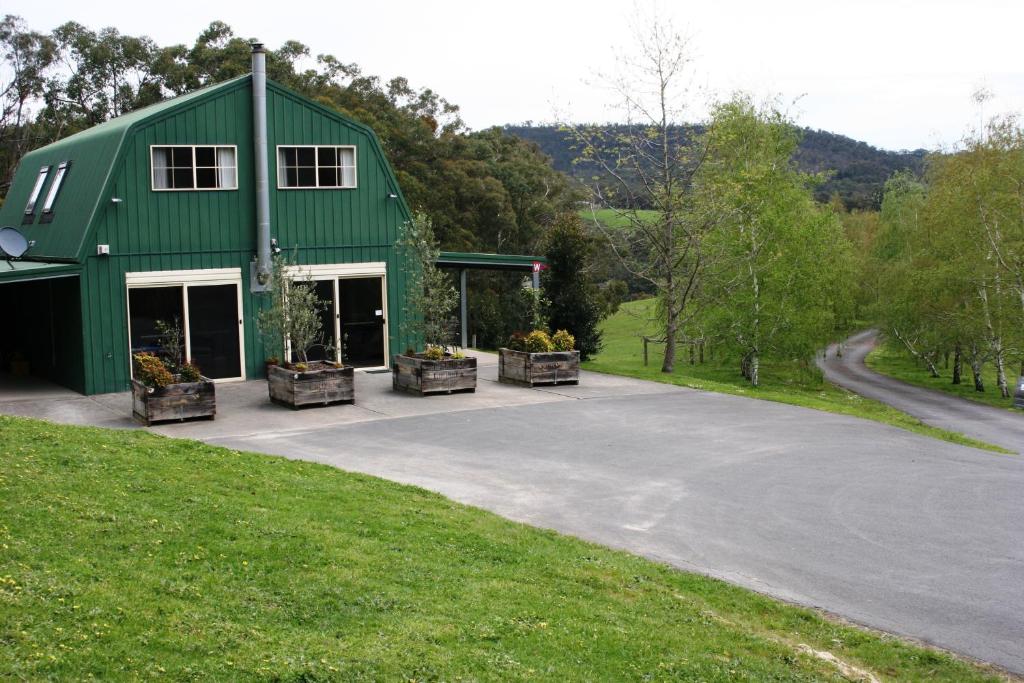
173	211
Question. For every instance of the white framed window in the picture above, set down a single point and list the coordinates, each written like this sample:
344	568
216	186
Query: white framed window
37	189
316	166
194	167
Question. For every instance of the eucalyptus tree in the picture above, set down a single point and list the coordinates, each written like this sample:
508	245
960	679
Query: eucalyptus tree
973	225
28	58
779	280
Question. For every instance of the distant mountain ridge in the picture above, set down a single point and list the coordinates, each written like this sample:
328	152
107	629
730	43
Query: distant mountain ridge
859	171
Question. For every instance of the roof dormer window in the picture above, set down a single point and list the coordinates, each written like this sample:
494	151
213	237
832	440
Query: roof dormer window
37	189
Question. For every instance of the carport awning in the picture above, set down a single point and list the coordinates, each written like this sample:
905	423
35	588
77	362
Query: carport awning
18	271
458	259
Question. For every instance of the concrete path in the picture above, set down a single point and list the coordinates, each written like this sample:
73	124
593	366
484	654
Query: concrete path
1001	427
884	527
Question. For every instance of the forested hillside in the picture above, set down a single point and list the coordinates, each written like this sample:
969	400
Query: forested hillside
858	170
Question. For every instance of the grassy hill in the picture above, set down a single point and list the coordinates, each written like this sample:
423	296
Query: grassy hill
124	555
858	170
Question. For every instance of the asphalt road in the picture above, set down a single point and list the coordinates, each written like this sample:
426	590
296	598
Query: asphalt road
884	527
993	425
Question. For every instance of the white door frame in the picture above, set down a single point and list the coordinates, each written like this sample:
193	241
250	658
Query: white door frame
186	279
346	271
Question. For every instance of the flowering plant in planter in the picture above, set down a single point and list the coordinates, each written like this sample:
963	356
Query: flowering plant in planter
165	387
292	321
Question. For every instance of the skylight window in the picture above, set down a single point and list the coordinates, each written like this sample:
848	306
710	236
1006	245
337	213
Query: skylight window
37	190
58	179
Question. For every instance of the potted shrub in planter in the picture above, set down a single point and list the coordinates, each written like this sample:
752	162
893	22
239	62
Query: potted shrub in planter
430	300
159	395
536	358
434	371
293	319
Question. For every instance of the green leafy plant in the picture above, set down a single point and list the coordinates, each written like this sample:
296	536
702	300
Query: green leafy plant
293	315
151	371
172	344
434	352
538	341
563	341
517	342
190	373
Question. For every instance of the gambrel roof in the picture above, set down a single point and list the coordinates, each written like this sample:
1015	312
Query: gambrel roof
94	155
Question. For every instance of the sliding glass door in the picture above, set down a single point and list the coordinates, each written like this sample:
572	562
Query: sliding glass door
206	313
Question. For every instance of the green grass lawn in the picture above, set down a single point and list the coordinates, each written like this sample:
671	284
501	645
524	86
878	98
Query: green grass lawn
612	220
793	383
890	359
126	555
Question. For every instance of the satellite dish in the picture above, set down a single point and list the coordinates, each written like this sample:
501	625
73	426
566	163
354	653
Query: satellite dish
12	243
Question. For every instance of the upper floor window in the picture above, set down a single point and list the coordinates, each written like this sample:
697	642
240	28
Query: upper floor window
195	167
37	189
316	166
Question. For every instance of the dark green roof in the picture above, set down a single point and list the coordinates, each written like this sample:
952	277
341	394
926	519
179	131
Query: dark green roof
15	271
462	259
92	154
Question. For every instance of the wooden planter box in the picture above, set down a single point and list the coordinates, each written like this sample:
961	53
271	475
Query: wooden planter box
321	384
529	369
421	376
180	401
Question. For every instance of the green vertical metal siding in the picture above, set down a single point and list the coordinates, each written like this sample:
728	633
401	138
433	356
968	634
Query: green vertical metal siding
185	230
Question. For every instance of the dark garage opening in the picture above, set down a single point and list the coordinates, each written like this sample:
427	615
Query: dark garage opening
41	331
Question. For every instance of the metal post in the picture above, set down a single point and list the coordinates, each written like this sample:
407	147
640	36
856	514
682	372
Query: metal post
463	316
536	279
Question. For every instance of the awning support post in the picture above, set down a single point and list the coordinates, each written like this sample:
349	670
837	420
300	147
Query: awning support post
463	316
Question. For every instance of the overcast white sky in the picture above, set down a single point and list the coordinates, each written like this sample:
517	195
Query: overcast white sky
897	74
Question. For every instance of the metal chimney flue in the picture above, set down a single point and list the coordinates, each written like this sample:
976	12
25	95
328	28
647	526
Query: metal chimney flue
261	269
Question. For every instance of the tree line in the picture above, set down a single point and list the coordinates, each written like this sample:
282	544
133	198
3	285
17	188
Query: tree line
944	274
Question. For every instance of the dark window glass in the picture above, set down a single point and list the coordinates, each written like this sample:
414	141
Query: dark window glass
328	177
181	178
290	156
328	156
307	177
148	305
306	156
213	330
206	178
206	156
181	156
291	177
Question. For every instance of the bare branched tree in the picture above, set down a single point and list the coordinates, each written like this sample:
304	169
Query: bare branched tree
645	172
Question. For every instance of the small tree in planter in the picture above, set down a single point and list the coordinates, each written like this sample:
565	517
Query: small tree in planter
430	300
293	321
166	387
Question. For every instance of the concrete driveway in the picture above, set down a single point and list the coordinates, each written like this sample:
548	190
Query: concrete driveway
884	527
993	425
